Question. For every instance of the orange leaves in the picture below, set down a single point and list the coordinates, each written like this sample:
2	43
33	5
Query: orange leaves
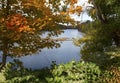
18	23
25	28
74	1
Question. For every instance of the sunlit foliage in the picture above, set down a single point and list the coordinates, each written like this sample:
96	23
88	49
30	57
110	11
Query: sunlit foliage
102	35
75	72
65	73
22	22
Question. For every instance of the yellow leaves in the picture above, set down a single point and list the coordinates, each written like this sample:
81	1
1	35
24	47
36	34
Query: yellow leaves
51	8
17	37
42	26
93	11
2	25
25	29
74	8
71	10
2	77
85	39
39	4
13	36
50	19
2	20
16	51
78	9
10	35
44	22
63	13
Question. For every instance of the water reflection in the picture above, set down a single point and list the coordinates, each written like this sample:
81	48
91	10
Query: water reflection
67	52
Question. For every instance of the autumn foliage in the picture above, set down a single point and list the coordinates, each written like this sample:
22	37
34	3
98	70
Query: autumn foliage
22	23
18	23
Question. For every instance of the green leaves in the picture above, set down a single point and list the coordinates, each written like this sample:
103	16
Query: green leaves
2	78
24	21
72	72
76	72
103	32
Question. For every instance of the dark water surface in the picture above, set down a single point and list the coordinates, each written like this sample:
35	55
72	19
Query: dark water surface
67	52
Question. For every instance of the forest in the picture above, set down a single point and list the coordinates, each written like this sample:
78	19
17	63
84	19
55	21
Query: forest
23	22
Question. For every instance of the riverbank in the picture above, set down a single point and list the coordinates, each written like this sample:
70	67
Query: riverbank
72	72
67	27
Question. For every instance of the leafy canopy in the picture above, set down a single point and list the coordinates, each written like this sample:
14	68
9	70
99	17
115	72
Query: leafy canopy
22	22
102	35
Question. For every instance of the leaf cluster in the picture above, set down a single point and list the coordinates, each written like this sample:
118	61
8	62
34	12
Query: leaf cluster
81	72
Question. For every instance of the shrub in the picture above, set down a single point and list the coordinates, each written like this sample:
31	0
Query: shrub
72	72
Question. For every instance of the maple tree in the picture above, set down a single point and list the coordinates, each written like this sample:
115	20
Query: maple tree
22	22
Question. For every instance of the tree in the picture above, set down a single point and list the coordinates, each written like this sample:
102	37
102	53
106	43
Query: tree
103	35
22	22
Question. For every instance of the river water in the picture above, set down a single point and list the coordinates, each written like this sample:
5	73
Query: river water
67	52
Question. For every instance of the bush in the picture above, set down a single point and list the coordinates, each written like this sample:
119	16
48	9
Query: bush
72	72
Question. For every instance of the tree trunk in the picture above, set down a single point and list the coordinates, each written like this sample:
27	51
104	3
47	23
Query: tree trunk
5	41
3	61
116	38
99	13
5	54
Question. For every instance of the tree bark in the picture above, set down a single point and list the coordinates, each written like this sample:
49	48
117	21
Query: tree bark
99	13
5	54
116	38
5	41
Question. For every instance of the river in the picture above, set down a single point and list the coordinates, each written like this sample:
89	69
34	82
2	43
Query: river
67	52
